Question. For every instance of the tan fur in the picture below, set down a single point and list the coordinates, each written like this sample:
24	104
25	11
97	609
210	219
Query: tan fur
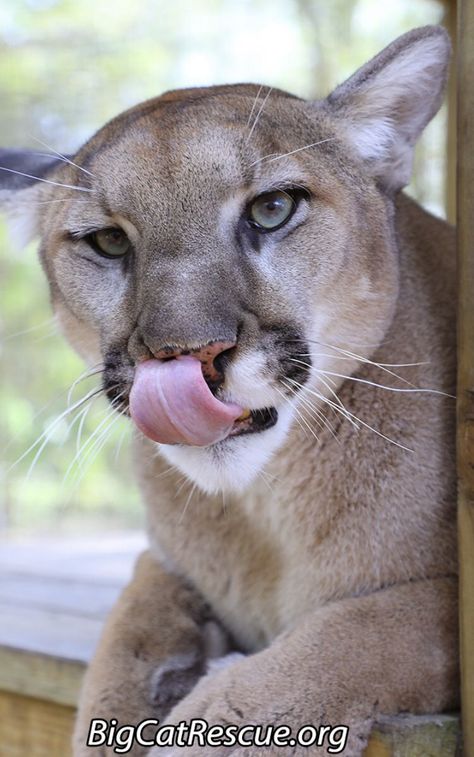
333	564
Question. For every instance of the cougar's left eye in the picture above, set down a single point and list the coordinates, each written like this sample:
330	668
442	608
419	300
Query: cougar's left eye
111	243
271	210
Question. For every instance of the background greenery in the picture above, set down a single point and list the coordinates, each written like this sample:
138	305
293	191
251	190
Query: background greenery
66	67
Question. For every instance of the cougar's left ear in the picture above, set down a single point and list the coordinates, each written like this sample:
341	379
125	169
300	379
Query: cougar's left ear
383	108
22	176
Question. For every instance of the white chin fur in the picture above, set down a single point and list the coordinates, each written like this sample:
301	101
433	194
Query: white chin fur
233	464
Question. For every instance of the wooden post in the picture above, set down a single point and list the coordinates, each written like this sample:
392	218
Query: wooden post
465	435
450	22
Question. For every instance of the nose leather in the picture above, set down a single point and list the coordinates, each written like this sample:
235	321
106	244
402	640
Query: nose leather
206	354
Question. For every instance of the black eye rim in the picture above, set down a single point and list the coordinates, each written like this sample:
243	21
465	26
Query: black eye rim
91	240
296	194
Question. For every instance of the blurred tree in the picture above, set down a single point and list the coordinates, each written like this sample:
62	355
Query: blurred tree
321	22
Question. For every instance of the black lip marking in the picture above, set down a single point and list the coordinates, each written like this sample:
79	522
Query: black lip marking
292	353
259	420
115	387
265	418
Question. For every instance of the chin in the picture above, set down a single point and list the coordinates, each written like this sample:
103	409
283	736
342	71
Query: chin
233	464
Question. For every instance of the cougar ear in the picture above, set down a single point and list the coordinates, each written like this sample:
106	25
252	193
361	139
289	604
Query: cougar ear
22	176
386	104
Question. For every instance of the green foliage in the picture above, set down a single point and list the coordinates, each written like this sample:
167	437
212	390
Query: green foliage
65	68
38	370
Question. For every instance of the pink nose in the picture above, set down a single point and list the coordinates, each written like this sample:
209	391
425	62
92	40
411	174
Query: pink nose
205	354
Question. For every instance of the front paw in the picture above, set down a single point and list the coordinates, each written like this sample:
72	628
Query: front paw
209	704
220	700
147	692
245	697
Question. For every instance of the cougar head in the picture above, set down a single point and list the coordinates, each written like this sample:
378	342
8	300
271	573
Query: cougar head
214	246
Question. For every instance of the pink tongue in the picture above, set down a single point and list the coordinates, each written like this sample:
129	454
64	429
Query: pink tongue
172	404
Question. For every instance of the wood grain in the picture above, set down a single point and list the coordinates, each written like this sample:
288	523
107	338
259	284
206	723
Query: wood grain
37	728
465	436
52	679
415	736
450	22
34	728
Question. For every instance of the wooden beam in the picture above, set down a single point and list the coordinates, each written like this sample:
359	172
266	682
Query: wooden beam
450	22
465	436
41	728
40	676
35	728
415	735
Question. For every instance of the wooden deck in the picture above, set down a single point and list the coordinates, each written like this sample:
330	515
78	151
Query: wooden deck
54	596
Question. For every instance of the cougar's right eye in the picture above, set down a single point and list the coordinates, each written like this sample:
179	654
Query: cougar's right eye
111	243
271	210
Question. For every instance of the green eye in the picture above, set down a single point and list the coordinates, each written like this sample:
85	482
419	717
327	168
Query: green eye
112	243
271	210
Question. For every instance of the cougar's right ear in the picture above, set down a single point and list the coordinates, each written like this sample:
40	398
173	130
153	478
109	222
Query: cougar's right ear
383	108
23	174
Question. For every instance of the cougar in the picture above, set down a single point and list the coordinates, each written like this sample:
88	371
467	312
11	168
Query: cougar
276	318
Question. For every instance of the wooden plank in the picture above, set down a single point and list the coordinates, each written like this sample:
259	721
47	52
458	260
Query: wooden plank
42	676
57	634
415	736
32	728
86	598
465	436
54	595
110	558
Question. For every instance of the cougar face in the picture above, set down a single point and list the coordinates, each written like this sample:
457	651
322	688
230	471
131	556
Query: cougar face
200	270
215	248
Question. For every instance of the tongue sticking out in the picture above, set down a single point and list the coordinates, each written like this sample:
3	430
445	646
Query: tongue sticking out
172	404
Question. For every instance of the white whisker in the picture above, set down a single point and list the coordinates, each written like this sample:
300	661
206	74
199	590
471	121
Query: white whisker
46	440
256	98
301	420
313	411
80	428
257	117
93	452
118	448
337	399
46	181
413	388
348	415
272	156
93	439
39	326
45	435
416	390
188	500
62	199
265	480
88	373
166	472
63	157
185	480
346	357
316	414
354	355
336	405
